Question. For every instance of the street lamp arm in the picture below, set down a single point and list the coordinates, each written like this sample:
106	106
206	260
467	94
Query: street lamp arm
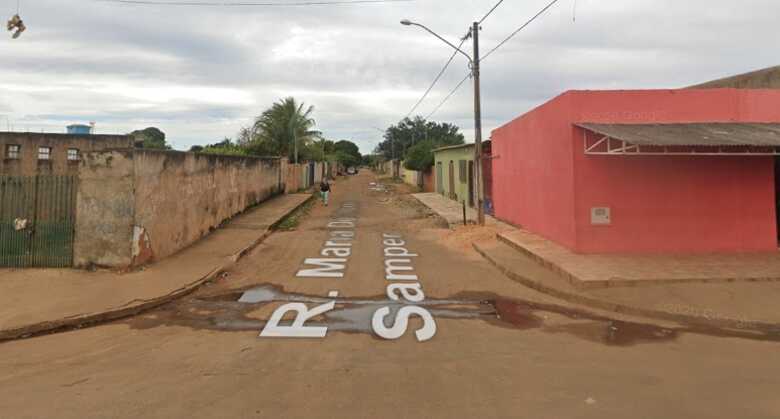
442	39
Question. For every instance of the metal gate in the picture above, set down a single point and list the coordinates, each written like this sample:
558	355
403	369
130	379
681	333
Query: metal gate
37	219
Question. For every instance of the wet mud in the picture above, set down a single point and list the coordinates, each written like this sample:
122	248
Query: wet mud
237	311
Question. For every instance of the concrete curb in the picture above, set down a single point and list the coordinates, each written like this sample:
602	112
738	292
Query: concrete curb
616	281
619	308
136	307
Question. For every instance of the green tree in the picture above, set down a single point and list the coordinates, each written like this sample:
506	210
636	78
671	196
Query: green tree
285	129
225	147
151	137
347	153
401	137
420	156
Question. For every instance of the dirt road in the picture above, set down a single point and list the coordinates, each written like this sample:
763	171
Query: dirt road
485	346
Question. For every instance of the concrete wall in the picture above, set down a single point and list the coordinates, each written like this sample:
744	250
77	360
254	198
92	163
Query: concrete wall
136	206
105	210
423	180
29	164
180	197
543	181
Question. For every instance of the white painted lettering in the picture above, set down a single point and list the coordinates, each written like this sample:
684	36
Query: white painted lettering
328	268
394	242
392	266
426	332
337	252
343	234
297	328
416	297
341	224
334	243
395	252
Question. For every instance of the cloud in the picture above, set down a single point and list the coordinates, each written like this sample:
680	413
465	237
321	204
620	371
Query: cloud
200	73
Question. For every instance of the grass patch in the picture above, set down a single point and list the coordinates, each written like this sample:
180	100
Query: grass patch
293	220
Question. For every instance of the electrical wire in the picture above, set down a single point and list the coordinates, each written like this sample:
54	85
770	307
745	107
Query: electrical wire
541	12
247	4
452	92
438	76
491	11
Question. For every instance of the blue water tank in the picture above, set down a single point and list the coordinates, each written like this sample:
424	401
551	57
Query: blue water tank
79	129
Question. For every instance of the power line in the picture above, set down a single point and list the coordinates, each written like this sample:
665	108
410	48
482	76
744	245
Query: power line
452	92
491	11
446	65
541	12
247	4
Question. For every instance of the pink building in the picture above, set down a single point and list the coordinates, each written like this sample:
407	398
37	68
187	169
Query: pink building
653	171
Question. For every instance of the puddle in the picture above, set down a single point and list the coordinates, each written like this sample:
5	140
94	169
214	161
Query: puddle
234	311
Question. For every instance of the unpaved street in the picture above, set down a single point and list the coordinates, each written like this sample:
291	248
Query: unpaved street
486	346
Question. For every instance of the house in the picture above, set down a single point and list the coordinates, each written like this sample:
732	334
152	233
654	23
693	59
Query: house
454	172
29	154
644	171
767	78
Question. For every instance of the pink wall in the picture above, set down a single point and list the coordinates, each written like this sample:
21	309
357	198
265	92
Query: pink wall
658	203
533	175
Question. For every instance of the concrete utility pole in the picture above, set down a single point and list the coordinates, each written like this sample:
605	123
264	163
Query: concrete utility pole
477	128
295	146
474	63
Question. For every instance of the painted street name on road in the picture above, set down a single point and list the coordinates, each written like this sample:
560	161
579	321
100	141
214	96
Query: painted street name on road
405	292
331	263
337	248
398	267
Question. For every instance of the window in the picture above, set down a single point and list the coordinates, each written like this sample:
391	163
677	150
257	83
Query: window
73	154
44	153
13	151
462	171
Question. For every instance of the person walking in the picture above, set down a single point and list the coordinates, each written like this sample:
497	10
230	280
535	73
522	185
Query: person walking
324	191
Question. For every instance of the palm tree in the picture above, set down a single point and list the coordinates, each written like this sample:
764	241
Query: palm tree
283	126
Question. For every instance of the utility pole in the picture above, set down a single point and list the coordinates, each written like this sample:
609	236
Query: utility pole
477	128
295	146
474	63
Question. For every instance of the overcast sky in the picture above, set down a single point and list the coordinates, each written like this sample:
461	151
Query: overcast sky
200	73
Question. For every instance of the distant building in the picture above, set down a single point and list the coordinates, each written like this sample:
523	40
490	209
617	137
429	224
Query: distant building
767	78
454	172
29	154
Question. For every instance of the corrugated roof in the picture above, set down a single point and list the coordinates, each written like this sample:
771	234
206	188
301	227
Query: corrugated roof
693	134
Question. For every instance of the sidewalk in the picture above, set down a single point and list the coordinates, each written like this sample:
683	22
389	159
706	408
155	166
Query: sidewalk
723	291
452	211
34	301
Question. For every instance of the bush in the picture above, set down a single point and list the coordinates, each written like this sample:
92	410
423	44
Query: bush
420	156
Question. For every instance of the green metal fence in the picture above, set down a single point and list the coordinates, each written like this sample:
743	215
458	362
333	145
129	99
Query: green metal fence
37	219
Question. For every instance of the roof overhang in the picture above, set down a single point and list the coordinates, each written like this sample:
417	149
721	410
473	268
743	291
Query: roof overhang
743	139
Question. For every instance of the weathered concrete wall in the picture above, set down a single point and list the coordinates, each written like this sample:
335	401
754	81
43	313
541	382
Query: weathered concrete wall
136	206
28	163
293	178
105	207
423	180
180	197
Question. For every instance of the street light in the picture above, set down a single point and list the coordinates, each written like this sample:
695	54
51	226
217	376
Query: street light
474	65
